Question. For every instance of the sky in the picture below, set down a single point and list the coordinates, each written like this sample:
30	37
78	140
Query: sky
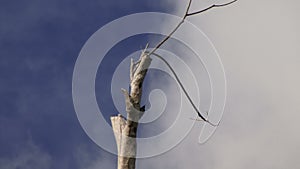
258	43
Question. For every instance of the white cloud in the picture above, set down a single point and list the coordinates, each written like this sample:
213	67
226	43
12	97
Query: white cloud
258	44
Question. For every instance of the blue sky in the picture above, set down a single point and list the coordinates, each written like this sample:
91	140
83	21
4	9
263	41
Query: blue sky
39	44
258	42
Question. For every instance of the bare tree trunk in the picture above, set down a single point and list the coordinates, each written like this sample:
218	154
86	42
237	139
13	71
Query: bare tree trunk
125	130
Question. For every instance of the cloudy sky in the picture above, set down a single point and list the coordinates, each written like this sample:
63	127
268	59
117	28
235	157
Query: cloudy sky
258	43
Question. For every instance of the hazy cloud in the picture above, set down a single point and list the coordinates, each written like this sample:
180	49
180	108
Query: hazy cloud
258	44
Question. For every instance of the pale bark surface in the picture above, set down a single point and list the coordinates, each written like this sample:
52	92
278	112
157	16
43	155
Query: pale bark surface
125	130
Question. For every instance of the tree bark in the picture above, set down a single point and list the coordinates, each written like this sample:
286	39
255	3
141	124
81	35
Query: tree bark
125	130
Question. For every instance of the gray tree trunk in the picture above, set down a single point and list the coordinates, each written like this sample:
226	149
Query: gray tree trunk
125	130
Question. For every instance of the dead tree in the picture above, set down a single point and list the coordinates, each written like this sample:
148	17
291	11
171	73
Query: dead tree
125	129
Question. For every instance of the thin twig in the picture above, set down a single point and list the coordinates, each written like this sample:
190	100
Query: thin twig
183	89
173	31
212	6
183	19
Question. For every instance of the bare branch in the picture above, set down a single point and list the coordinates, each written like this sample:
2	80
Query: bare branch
145	48
183	19
184	90
187	9
210	7
173	31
